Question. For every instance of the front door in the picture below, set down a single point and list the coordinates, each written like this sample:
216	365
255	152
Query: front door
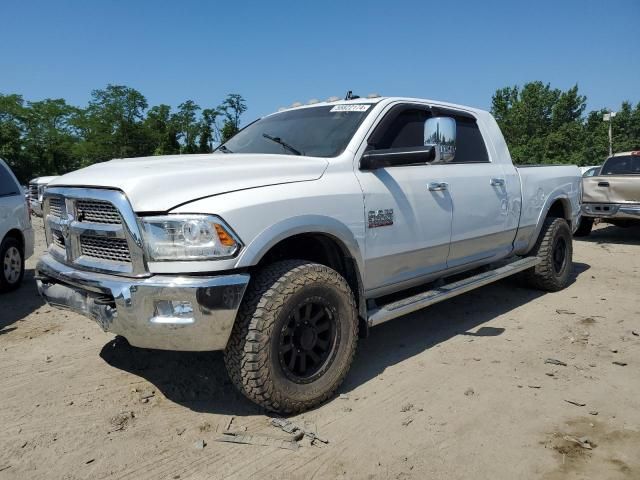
407	214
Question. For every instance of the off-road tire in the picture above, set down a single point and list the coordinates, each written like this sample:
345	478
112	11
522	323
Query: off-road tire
5	284
253	354
584	227
546	275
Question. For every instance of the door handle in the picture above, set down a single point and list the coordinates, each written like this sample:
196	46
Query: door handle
438	186
497	182
603	184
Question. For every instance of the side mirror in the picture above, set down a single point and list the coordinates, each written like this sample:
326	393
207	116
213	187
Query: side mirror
396	157
440	132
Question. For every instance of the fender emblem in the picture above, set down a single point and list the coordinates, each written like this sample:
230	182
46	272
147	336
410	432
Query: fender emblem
380	218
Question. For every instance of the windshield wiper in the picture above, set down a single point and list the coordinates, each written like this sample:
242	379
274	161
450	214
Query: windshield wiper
224	149
283	143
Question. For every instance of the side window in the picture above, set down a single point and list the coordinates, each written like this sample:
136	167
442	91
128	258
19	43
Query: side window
470	147
401	128
8	186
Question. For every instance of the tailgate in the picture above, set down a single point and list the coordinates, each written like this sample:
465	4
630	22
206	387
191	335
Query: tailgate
611	189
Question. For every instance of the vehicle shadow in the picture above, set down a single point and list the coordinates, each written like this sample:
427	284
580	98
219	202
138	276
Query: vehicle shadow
613	234
199	380
16	305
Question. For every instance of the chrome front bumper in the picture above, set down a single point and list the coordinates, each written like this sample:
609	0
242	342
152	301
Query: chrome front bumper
611	210
136	307
36	207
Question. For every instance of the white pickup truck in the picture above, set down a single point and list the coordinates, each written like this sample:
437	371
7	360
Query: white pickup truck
286	244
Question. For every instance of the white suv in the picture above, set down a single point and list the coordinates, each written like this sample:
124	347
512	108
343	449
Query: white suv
16	233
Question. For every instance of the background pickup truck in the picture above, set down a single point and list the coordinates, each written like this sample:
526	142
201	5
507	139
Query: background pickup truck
612	195
302	231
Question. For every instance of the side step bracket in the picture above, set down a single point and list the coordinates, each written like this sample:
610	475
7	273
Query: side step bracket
424	299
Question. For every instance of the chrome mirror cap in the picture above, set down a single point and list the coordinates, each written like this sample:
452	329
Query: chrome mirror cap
440	132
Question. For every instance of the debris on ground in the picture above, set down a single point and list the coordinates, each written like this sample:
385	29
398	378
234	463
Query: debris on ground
407	422
621	364
584	442
469	392
147	394
593	412
534	386
635	332
228	426
290	427
343	396
180	431
263	440
121	420
575	402
563	311
554	361
200	444
406	407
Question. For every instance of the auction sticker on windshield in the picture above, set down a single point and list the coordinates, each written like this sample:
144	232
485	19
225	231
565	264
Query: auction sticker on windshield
350	108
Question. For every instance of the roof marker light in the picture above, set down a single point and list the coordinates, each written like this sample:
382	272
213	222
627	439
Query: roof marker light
313	101
333	99
373	95
296	104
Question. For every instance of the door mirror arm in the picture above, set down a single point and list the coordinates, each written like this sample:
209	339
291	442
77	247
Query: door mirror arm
397	157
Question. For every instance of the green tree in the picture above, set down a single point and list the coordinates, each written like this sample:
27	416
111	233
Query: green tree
188	126
112	125
162	128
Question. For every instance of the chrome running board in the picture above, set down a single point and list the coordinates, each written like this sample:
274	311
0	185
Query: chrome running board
424	299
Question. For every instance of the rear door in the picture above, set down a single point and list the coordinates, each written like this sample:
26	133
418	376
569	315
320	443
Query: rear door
408	225
480	189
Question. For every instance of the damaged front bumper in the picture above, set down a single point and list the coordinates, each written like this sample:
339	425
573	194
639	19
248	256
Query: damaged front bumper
194	313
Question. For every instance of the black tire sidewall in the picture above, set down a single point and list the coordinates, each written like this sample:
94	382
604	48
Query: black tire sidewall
340	357
584	227
560	229
7	243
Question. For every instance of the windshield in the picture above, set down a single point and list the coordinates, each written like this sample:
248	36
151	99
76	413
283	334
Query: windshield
623	165
315	132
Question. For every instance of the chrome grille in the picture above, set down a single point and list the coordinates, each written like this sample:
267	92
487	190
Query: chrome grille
113	249
58	239
93	229
33	190
56	206
96	211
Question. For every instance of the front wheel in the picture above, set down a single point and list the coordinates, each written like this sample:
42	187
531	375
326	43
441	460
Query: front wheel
554	248
12	262
295	336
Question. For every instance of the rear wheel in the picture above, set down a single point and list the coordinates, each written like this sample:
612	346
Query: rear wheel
554	248
584	227
12	262
295	336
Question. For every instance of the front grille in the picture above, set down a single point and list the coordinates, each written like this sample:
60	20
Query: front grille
113	249
93	229
56	206
58	239
96	211
33	190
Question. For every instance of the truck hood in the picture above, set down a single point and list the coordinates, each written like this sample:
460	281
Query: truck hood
157	184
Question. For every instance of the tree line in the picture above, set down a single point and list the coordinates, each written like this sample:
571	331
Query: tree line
547	125
52	137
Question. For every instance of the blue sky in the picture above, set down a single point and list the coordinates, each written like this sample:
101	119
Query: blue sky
278	52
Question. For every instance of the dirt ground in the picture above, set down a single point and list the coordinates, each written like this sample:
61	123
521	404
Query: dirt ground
459	390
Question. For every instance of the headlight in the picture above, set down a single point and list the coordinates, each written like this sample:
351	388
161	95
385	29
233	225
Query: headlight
188	237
